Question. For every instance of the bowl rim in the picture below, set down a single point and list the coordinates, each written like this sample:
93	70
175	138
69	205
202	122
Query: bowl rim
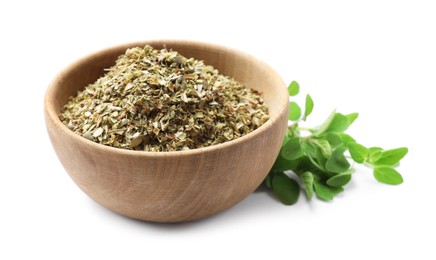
53	116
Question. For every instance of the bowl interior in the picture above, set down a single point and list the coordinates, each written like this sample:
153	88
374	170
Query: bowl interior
229	62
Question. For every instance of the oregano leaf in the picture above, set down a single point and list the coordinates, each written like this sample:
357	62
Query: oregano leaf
287	136
346	139
374	155
292	149
322	128
308	106
391	157
339	123
374	149
388	175
337	163
339	180
285	188
324	146
325	192
316	156
358	152
281	164
308	179
294	111
334	139
351	118
293	88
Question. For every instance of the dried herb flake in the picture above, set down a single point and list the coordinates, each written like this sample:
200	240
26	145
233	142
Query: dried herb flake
158	100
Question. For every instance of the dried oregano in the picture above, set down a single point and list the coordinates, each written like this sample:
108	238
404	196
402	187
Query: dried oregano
158	100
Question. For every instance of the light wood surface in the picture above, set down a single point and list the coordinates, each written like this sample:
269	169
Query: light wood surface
170	186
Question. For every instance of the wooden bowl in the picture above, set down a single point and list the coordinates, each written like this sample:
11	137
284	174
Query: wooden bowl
170	186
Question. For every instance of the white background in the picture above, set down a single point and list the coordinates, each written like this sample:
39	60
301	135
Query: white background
373	57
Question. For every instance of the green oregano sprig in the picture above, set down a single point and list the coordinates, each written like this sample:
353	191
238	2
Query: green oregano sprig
320	157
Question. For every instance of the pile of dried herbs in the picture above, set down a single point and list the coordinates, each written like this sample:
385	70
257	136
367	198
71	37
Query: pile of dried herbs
158	100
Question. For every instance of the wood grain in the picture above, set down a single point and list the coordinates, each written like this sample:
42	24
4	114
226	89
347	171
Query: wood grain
170	186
